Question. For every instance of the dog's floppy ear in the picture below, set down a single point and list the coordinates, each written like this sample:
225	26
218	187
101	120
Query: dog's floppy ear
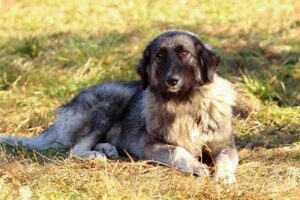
142	67
208	60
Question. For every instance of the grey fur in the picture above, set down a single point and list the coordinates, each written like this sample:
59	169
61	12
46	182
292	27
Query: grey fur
184	111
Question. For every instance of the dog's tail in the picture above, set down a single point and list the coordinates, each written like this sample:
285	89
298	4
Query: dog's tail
43	141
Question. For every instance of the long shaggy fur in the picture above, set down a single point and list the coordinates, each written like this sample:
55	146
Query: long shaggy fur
178	113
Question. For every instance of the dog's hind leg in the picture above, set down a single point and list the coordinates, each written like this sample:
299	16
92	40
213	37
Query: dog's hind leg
108	149
83	148
111	102
103	119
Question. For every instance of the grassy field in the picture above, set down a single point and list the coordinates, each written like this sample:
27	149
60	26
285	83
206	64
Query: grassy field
50	50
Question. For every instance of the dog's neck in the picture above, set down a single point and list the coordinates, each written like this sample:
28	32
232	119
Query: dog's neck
180	97
175	118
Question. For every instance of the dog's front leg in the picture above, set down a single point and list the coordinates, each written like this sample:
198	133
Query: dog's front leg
226	159
175	156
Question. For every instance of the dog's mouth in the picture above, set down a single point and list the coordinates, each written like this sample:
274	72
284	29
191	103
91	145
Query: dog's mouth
174	89
178	90
173	85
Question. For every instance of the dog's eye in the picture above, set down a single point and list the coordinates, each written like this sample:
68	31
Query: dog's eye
160	55
183	53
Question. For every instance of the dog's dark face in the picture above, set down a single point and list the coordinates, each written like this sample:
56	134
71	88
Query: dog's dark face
177	62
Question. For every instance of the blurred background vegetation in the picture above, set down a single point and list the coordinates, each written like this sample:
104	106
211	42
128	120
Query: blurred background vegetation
50	50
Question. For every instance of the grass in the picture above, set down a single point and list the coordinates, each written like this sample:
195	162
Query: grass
50	50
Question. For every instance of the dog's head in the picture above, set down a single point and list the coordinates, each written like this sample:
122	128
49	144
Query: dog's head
176	62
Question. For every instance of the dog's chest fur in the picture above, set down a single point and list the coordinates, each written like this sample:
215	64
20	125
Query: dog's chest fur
195	122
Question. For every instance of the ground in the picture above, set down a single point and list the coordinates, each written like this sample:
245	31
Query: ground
50	50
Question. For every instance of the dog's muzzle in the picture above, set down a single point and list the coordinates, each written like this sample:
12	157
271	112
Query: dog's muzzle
173	83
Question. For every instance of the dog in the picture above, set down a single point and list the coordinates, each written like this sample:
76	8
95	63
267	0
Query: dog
179	111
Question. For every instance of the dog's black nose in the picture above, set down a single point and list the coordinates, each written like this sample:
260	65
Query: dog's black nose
173	81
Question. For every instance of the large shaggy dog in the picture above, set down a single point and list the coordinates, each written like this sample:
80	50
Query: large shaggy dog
179	111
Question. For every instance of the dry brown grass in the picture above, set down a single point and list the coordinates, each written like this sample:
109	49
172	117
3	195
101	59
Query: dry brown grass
262	174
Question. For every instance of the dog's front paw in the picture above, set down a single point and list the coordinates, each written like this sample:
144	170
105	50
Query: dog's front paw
186	162
224	177
195	167
201	169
